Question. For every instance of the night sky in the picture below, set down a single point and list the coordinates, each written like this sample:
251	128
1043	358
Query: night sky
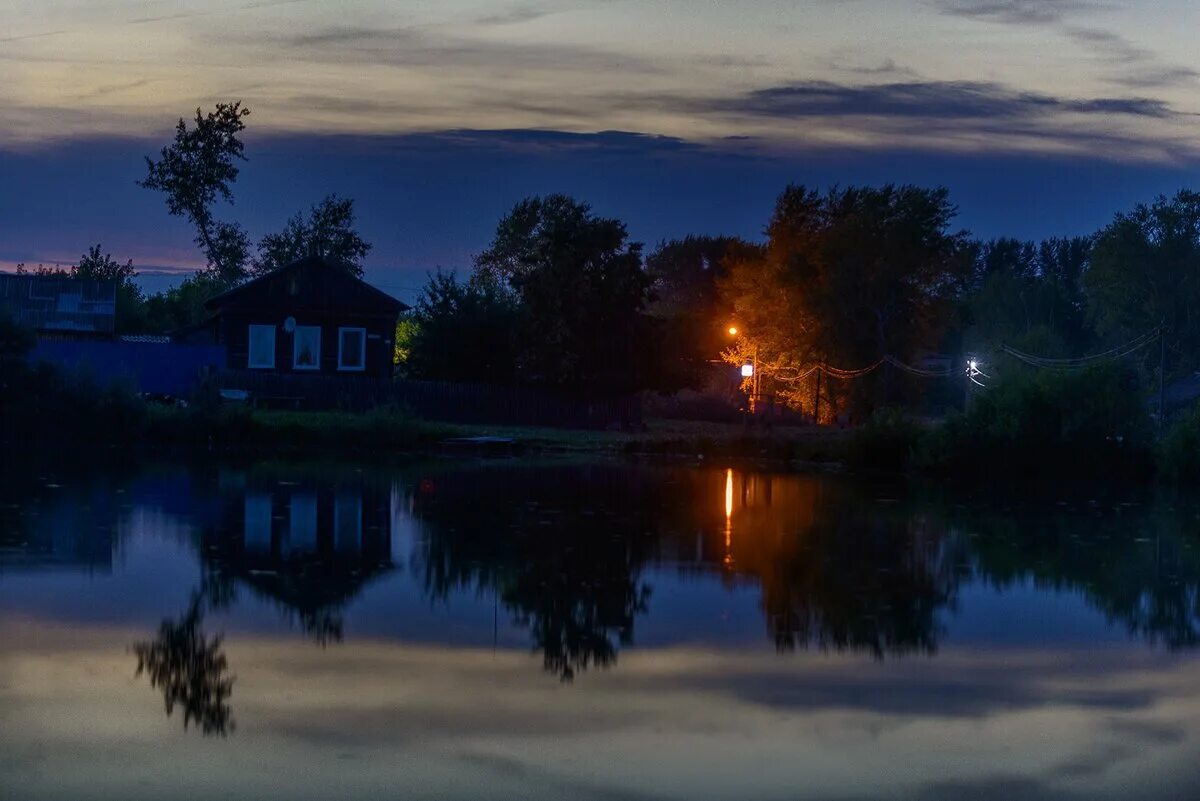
678	116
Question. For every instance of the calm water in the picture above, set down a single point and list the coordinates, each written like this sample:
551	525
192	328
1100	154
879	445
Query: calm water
560	630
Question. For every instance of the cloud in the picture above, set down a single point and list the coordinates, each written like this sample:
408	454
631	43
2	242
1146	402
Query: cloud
930	99
1016	12
514	16
1156	77
421	47
1109	46
998	787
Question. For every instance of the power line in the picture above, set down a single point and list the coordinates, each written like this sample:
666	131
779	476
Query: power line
849	375
1078	363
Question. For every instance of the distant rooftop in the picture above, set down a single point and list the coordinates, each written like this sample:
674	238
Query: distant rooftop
59	303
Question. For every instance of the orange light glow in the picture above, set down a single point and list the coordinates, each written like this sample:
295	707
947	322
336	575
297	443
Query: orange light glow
728	517
733	330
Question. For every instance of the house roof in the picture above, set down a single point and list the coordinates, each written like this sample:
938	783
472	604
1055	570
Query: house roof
1180	392
59	302
314	283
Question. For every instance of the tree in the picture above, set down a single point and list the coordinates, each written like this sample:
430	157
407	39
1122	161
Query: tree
183	305
462	331
130	310
1145	270
328	231
196	169
847	278
582	293
685	300
1029	295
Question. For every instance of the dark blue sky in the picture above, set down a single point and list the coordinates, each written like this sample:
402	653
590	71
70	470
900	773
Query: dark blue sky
432	200
1043	117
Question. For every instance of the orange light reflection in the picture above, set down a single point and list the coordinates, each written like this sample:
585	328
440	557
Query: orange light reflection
728	517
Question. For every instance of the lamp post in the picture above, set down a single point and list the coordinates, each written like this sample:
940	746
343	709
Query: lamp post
750	370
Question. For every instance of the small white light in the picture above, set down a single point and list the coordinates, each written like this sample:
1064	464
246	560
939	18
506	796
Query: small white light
974	365
747	370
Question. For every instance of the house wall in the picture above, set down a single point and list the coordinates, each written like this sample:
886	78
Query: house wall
234	334
161	369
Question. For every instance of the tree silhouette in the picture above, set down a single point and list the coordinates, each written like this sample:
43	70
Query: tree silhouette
196	169
328	231
190	669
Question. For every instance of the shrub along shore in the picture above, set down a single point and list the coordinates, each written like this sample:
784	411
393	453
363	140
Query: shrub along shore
1088	425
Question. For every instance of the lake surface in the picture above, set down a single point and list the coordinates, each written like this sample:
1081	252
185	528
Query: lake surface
557	630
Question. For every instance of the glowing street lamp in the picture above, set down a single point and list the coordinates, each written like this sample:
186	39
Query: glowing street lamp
974	373
749	370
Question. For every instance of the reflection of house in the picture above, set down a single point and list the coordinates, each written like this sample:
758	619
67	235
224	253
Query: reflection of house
310	547
309	317
279	526
74	533
59	307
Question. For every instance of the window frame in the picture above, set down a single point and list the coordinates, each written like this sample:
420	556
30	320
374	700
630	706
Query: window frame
316	365
250	365
362	332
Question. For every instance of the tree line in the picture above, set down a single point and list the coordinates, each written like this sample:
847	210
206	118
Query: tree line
562	297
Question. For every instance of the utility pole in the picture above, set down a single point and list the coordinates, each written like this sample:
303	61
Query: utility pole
1162	361
817	400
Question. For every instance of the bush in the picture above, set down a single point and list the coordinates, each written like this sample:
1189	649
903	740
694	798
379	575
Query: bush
1090	423
886	443
1179	451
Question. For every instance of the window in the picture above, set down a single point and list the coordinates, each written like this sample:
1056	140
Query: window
302	523
258	522
306	349
352	349
347	522
262	347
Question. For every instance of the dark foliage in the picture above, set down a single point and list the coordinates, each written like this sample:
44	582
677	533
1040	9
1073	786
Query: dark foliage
191	670
1090	423
196	169
328	231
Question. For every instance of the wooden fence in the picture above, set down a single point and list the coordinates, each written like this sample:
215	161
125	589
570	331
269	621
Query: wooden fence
433	400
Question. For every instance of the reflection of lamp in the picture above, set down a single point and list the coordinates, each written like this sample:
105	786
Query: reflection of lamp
728	561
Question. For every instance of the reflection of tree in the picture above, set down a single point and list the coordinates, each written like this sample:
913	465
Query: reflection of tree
563	550
853	586
1141	569
838	572
190	669
575	599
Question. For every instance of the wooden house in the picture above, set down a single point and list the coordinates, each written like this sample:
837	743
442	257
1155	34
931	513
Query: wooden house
311	317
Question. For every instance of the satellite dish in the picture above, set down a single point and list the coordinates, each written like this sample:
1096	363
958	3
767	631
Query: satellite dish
289	324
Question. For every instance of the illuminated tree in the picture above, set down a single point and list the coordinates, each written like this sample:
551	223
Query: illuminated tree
847	278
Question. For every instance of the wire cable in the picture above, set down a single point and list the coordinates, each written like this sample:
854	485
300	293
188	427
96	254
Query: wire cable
1078	363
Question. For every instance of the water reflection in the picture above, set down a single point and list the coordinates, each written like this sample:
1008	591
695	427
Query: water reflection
54	527
430	582
565	552
309	542
570	553
563	561
190	669
1139	567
